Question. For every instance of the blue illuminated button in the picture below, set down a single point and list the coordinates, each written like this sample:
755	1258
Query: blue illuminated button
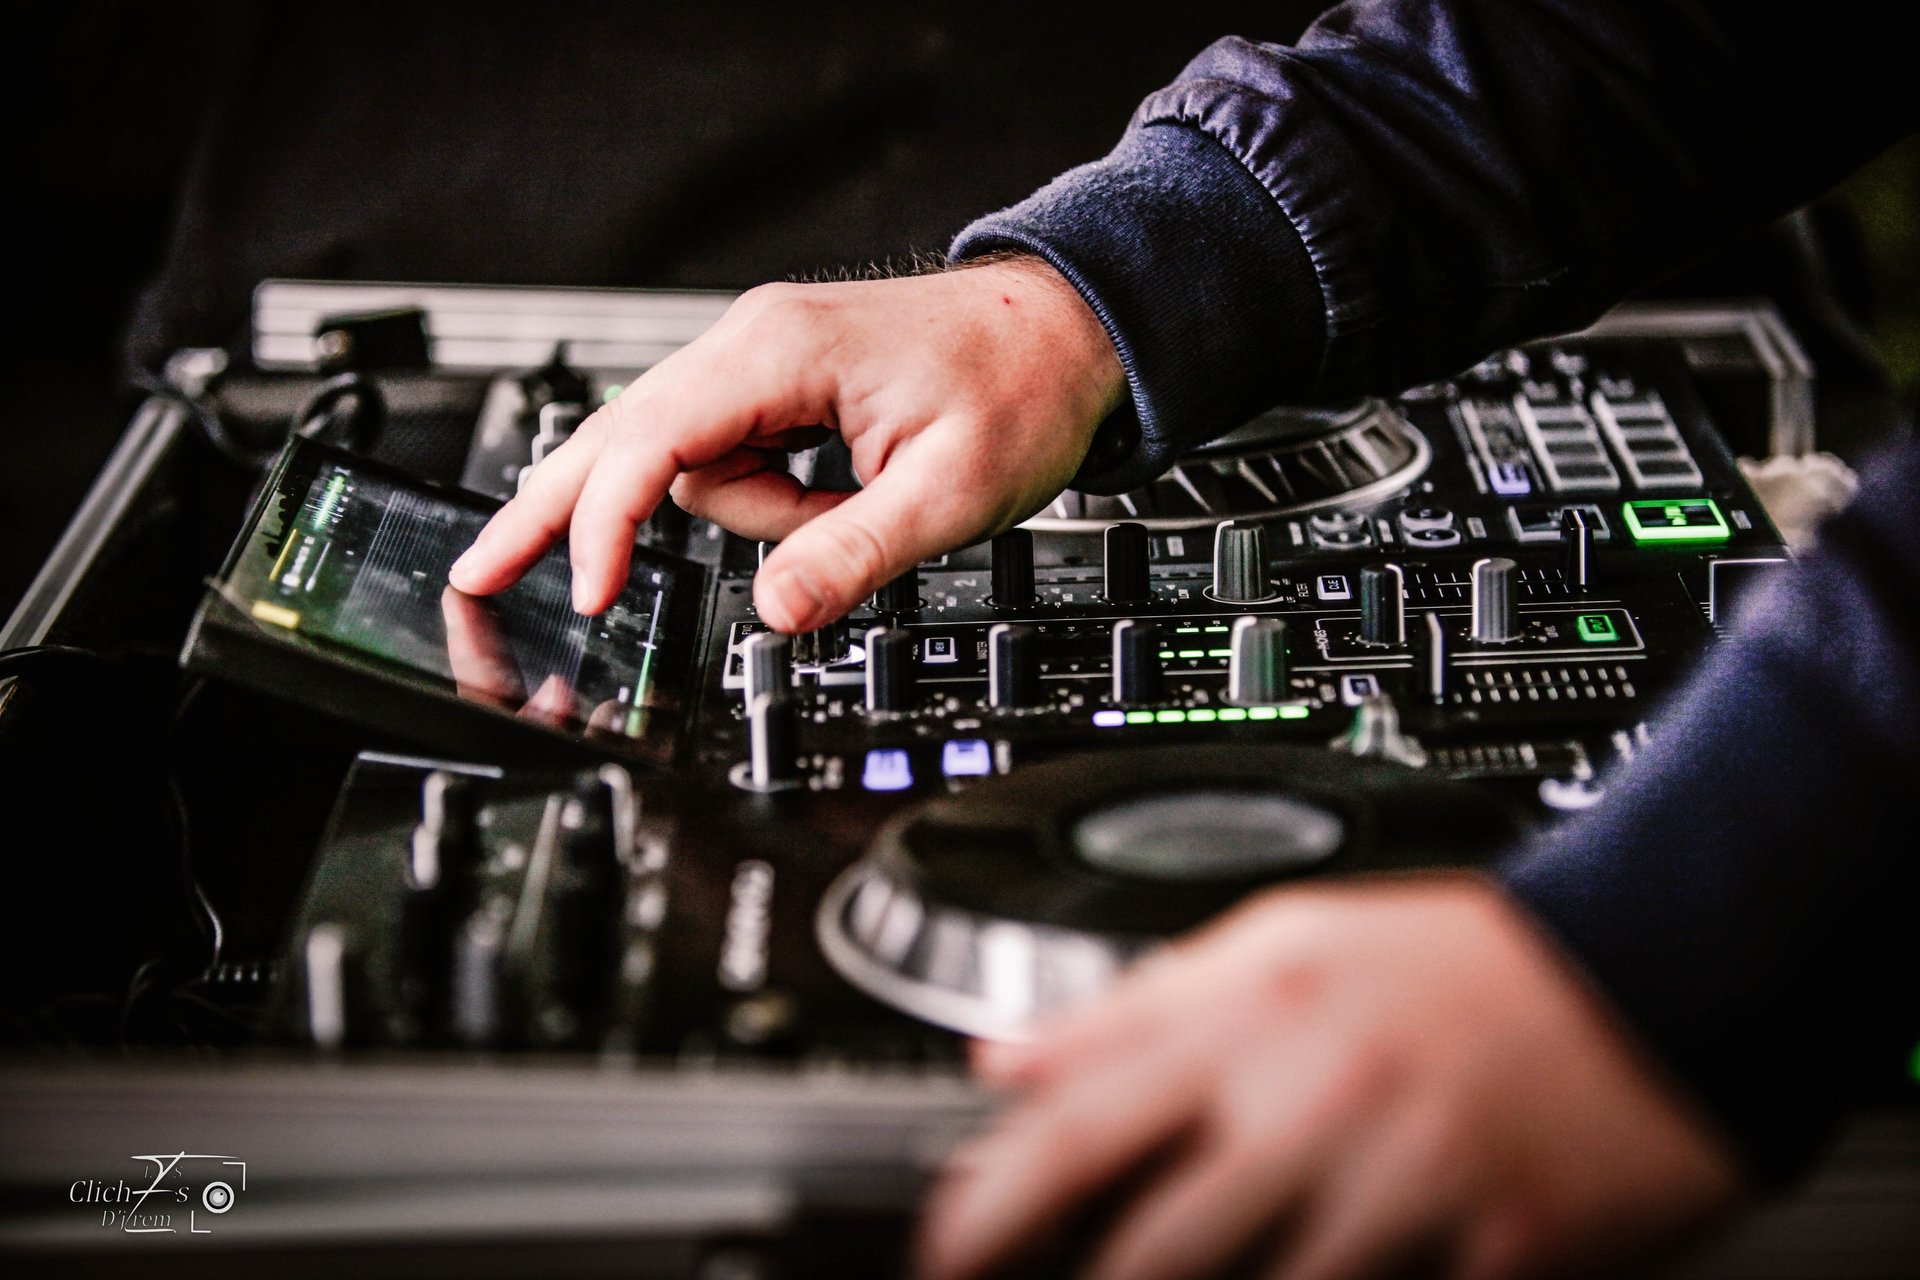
1109	718
888	769
962	758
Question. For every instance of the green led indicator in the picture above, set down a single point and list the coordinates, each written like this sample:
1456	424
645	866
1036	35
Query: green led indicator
1263	713
1676	520
612	393
1201	715
1212	631
329	500
1139	717
1913	1066
1175	716
1596	628
1186	631
1233	713
1293	713
1193	653
1165	654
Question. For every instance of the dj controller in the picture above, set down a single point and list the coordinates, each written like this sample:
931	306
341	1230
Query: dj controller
1381	636
1345	640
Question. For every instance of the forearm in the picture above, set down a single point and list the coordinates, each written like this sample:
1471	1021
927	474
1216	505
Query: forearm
1418	182
1748	892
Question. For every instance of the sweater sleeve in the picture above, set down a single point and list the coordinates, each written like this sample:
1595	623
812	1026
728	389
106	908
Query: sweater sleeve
1749	893
1418	182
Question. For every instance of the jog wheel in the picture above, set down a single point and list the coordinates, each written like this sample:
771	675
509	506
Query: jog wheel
1027	895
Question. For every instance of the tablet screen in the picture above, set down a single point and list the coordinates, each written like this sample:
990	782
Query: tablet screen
346	559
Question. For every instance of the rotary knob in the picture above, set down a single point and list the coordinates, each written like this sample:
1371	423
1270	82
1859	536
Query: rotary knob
1375	734
1136	663
1496	619
1257	665
1013	570
1127	578
890	678
768	665
1240	562
902	595
1383	604
1013	666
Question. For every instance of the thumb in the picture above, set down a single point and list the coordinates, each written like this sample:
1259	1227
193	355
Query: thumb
840	557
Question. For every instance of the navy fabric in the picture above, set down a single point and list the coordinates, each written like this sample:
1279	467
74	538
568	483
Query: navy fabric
1460	174
1418	182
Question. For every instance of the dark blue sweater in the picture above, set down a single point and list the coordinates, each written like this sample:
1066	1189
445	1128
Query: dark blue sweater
1418	182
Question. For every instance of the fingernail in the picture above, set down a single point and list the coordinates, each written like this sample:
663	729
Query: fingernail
460	566
792	590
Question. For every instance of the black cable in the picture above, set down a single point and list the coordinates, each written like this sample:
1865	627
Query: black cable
207	418
348	411
12	661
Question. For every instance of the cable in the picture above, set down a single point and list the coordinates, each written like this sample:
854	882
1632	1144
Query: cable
229	445
12	660
348	411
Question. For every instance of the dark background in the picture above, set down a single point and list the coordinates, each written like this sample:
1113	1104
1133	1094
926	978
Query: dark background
166	157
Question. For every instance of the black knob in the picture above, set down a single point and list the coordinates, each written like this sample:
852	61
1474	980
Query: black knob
447	839
1383	604
890	678
768	666
1013	570
1257	665
1240	562
1128	580
480	1001
443	848
1576	546
1013	666
902	595
589	844
1137	675
1432	672
1496	618
583	940
773	743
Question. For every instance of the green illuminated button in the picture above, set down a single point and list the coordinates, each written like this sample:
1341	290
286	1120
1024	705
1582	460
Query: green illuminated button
1676	520
1139	717
1596	628
1171	717
1233	713
1201	715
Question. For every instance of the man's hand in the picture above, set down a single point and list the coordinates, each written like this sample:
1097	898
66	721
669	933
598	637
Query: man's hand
968	399
1340	1081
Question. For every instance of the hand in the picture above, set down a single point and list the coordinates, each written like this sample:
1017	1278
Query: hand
1336	1081
484	669
967	398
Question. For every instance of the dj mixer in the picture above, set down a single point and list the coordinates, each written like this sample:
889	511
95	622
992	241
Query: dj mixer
664	930
1339	641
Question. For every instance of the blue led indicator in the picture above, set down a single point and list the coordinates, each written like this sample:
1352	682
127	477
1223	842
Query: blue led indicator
888	769
1109	719
965	758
